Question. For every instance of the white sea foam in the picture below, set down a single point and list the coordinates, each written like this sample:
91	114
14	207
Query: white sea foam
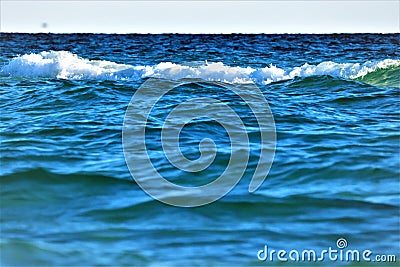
65	65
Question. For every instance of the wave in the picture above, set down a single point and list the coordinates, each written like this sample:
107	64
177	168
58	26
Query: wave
66	65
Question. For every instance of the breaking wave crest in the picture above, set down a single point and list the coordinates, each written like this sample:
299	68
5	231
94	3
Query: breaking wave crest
66	65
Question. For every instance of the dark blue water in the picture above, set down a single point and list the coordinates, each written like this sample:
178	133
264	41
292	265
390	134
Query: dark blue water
67	196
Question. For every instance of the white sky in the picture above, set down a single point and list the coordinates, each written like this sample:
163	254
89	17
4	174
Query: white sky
310	16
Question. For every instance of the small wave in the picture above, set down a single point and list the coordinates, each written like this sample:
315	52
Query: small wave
66	65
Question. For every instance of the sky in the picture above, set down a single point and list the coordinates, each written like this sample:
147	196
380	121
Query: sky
309	16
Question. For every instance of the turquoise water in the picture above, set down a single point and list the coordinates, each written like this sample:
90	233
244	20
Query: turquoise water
68	198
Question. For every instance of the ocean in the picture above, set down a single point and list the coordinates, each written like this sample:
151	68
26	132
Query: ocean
67	193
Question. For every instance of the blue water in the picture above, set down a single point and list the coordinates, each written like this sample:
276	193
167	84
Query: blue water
68	198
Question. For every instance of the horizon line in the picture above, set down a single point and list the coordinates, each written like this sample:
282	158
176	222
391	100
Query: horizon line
197	33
